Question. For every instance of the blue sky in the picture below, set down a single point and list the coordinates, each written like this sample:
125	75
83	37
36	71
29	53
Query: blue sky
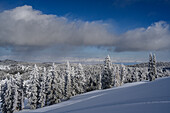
126	14
127	29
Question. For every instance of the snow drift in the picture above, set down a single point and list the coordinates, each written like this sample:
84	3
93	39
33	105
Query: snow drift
139	97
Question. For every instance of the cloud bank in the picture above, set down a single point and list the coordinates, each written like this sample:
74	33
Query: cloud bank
154	37
26	29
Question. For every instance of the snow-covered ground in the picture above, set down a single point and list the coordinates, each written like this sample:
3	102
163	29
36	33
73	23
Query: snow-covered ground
139	97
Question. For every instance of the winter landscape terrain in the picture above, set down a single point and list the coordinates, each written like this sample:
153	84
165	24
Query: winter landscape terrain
84	56
138	97
81	88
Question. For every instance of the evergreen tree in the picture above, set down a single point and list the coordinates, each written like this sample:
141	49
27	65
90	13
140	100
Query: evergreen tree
117	78
107	75
150	71
154	66
92	84
9	96
73	83
5	97
33	88
48	88
80	79
123	74
137	76
113	72
41	89
60	86
99	84
68	81
20	88
14	95
54	87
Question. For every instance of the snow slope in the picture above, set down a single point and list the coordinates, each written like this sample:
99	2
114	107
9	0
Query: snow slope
140	97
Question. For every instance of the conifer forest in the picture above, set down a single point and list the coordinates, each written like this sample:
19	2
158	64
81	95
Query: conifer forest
45	85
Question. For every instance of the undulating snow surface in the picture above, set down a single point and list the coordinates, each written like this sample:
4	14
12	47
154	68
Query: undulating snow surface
139	97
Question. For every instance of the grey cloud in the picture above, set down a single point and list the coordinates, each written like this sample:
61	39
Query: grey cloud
26	29
24	26
154	37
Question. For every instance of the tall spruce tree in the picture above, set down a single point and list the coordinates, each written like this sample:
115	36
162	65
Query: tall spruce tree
41	88
4	97
9	96
117	77
150	68
33	88
73	83
68	81
20	90
99	84
122	74
137	75
107	74
80	79
54	86
48	87
154	66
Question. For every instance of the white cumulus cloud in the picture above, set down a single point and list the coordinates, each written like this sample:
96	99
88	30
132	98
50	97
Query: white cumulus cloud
26	29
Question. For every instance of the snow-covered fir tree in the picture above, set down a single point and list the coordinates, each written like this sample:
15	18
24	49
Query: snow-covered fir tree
14	97
5	98
60	85
117	77
154	66
54	99
48	92
33	88
99	84
122	74
41	88
73	83
9	96
92	84
113	72
20	88
68	81
152	71
138	75
80	79
107	74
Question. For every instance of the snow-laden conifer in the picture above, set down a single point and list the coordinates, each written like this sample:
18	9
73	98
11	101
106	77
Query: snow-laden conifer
80	79
68	81
5	97
154	66
54	88
20	88
41	89
99	84
33	100
9	96
117	78
73	83
107	74
150	67
137	76
48	91
122	74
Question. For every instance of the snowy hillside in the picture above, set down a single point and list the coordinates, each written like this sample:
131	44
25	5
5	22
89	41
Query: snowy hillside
139	97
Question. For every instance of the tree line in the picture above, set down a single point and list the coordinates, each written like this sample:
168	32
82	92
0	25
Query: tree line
51	86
